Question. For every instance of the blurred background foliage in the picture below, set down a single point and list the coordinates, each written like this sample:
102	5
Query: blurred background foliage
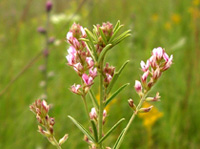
174	25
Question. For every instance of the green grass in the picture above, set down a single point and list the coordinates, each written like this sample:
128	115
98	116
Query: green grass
179	86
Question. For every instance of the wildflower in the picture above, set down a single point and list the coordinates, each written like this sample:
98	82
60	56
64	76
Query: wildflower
151	117
158	52
154	17
49	5
131	104
144	66
144	77
93	72
138	87
75	88
167	26
87	79
89	62
93	114
176	18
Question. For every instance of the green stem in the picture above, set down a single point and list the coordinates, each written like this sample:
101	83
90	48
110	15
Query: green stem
86	107
132	118
56	143
101	106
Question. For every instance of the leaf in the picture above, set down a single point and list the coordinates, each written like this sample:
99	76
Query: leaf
103	36
84	39
91	39
94	130
115	77
82	129
116	26
115	94
94	100
121	37
103	52
118	140
91	52
111	130
115	33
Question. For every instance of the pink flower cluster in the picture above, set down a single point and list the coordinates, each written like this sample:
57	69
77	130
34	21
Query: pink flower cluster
153	68
107	29
108	74
94	116
41	109
79	58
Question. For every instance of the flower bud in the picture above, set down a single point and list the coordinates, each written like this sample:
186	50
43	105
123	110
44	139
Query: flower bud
131	104
75	88
63	139
138	87
93	114
144	76
45	106
51	121
145	110
51	40
49	6
41	30
156	98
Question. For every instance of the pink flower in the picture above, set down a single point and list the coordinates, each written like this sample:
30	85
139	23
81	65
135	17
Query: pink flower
45	106
71	59
83	32
158	52
156	73
144	66
71	50
78	67
144	76
93	114
152	61
89	62
69	36
108	77
93	73
138	86
165	56
88	80
168	64
75	88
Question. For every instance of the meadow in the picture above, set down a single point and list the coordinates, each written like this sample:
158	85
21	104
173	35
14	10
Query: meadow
173	25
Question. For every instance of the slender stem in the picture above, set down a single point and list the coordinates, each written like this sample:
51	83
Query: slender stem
132	118
56	143
46	51
101	106
86	107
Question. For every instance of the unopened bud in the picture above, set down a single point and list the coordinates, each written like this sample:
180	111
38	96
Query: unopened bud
131	104
138	87
86	139
63	139
49	5
145	110
43	132
51	121
156	98
41	30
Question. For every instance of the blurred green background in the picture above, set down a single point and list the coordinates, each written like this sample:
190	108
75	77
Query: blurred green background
173	25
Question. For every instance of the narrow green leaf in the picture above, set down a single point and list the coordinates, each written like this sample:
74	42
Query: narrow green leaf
115	94
94	100
116	26
91	39
82	129
121	37
104	51
118	140
91	51
115	33
115	77
103	36
95	33
84	39
111	130
94	130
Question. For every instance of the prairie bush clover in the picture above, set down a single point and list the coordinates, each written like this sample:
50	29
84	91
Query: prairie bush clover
41	109
86	56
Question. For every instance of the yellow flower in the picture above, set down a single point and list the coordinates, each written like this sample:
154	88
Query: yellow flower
167	26
108	106
151	117
176	18
196	2
154	17
195	12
